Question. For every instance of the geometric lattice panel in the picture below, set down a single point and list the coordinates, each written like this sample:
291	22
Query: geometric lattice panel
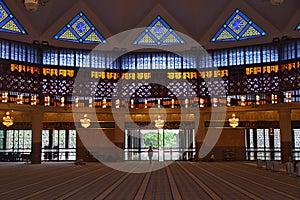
238	27
80	30
8	22
158	33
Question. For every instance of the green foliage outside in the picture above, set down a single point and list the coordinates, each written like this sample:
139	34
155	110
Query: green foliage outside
151	139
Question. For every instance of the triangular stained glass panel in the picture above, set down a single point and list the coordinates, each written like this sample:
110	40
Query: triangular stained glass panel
298	27
171	39
93	37
146	40
67	35
80	30
238	27
226	34
250	32
8	22
158	33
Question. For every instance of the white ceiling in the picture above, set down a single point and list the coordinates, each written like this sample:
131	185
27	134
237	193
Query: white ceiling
199	19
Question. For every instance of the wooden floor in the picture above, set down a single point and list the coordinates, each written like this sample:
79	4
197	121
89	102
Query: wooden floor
180	180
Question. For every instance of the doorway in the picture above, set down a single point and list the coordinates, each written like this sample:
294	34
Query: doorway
263	143
167	144
58	145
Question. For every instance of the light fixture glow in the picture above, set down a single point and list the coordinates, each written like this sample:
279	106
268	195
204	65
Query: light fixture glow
159	123
243	99
233	121
201	103
257	98
47	101
104	103
85	121
4	97
33	100
228	100
20	99
8	120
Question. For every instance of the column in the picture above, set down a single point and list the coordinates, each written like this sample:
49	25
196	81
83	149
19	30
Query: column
37	127
285	134
199	133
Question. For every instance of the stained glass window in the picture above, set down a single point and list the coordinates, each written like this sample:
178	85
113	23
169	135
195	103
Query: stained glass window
143	61
50	56
205	60
128	62
288	51
297	138
82	58
277	138
72	139
267	138
19	140
45	138
8	22
81	30
251	138
236	56
260	138
158	33
66	57
298	27
98	59
220	58
238	27
159	61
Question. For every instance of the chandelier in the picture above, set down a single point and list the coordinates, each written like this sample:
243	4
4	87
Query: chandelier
33	5
8	120
271	131
233	121
85	122
159	123
276	2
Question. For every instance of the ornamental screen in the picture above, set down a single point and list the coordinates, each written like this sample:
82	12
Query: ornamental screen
238	27
8	22
260	144
81	30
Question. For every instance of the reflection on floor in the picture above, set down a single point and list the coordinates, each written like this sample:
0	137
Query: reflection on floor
179	180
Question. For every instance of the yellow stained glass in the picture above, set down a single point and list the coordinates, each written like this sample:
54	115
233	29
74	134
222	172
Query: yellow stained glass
10	25
68	35
93	37
146	40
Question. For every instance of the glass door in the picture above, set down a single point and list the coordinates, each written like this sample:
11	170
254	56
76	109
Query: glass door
167	144
13	143
263	144
296	144
58	145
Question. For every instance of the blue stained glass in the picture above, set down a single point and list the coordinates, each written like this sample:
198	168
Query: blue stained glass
8	22
80	30
158	33
238	27
81	27
298	27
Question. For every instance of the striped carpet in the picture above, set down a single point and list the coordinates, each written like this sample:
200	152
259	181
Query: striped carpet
180	180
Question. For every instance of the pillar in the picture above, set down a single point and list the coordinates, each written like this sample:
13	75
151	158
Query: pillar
37	127
285	134
120	120
200	133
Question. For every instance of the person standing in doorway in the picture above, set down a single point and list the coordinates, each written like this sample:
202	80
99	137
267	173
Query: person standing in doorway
212	157
150	154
